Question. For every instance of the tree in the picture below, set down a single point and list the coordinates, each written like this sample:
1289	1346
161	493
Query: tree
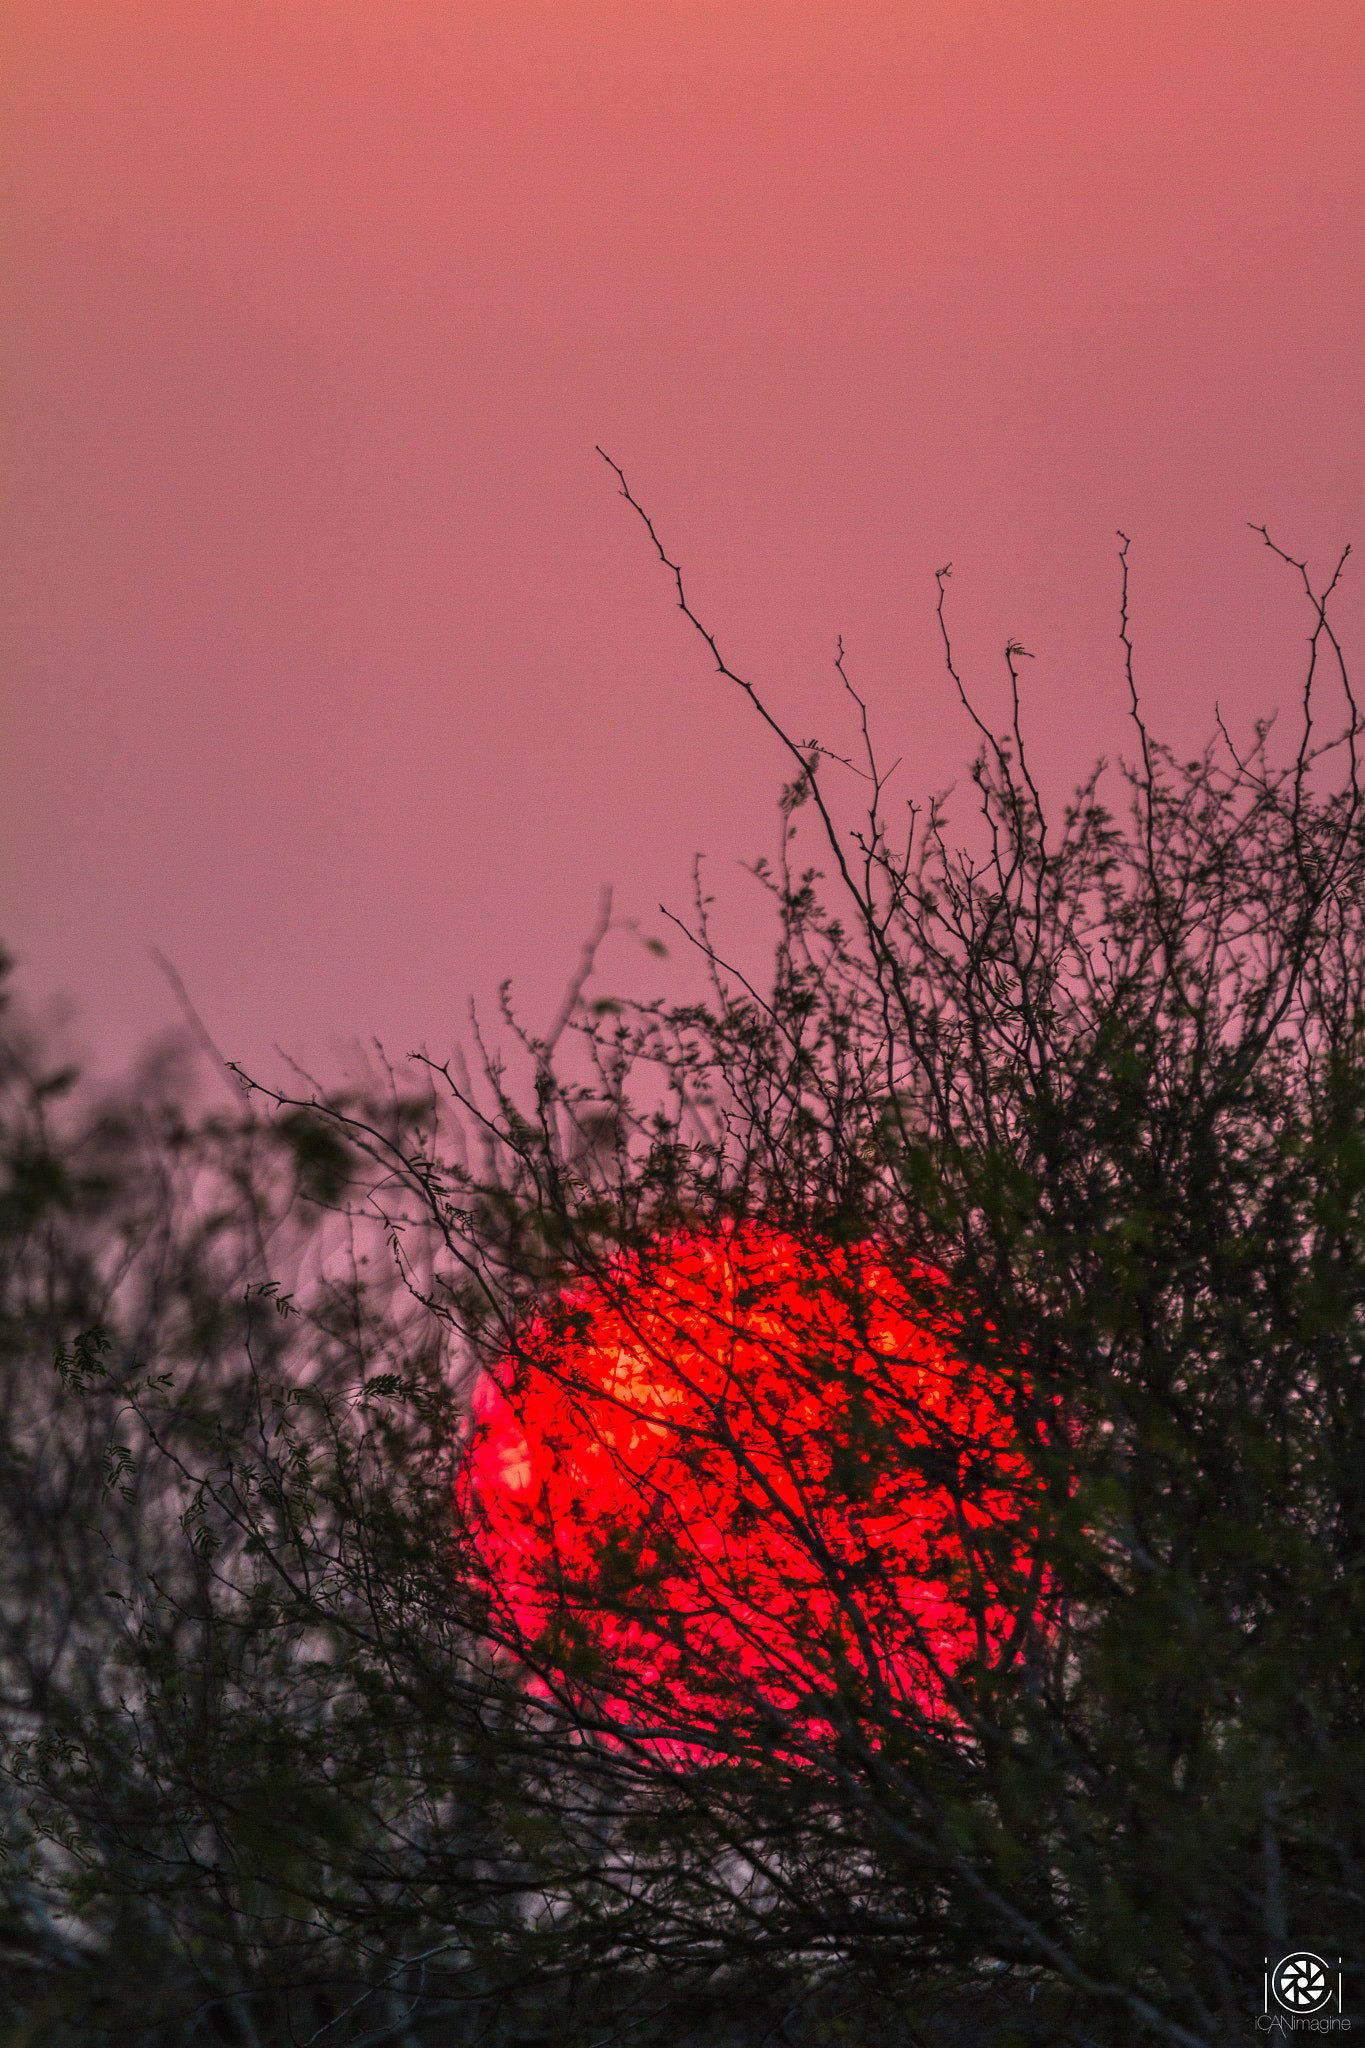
1085	1107
261	1783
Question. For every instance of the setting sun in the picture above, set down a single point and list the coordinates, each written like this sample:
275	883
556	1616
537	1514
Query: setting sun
752	1474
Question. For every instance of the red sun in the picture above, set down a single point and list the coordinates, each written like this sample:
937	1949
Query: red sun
746	1477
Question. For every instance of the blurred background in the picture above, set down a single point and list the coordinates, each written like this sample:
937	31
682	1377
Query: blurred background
335	669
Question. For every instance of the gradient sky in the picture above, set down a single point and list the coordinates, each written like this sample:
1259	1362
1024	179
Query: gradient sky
333	666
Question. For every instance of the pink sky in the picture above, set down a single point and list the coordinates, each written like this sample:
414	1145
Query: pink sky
334	668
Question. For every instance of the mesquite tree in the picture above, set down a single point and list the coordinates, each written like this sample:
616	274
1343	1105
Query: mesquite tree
870	1535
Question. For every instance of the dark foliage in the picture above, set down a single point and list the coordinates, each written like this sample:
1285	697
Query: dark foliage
274	1769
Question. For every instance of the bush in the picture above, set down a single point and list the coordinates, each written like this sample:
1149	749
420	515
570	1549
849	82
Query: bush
308	1770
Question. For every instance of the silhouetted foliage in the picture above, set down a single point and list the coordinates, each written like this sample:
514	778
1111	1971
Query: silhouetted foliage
286	1763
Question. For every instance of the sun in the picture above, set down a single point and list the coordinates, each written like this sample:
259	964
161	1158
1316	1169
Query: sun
748	1480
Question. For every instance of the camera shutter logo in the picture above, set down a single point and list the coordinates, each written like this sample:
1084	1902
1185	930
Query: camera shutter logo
1304	1983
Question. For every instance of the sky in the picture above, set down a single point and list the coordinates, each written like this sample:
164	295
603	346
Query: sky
336	672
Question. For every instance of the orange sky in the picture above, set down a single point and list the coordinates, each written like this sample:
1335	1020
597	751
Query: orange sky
333	667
